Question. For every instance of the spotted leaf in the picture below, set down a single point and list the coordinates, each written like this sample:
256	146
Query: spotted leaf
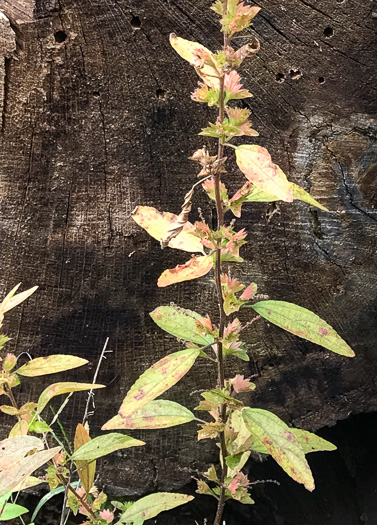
57	389
192	269
104	445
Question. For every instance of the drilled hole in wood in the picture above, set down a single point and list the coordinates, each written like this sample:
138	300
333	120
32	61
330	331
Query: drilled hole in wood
60	37
135	22
280	77
96	94
340	1
295	74
160	93
321	80
328	32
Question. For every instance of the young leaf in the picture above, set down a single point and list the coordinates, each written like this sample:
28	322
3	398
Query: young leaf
181	323
27	483
12	300
51	364
310	442
155	381
57	389
157	224
303	323
283	446
257	195
255	162
150	506
155	414
12	511
86	472
104	445
193	269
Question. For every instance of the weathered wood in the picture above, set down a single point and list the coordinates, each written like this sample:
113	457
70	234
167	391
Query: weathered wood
97	119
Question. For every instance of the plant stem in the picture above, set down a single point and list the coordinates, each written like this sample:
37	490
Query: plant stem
220	357
9	393
68	486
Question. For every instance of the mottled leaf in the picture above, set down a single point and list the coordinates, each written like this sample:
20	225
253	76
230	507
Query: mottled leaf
155	414
57	389
51	364
156	380
104	445
303	323
283	446
86	472
255	162
312	443
157	224
150	506
258	195
193	269
181	323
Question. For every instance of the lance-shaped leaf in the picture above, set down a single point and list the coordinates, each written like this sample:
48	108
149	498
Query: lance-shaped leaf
194	268
303	323
194	52
255	162
283	446
51	364
12	300
12	511
258	195
155	414
104	445
158	223
58	389
15	448
156	380
312	443
181	323
150	506
86	472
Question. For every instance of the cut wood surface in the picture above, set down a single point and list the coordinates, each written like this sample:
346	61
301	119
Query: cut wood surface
96	119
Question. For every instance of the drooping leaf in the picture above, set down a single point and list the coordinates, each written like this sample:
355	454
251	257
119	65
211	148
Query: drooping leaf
12	300
188	50
58	389
181	323
13	449
255	162
193	269
12	511
155	414
86	472
51	364
283	446
27	483
156	380
104	445
20	429
150	506
158	223
312	443
258	195
303	323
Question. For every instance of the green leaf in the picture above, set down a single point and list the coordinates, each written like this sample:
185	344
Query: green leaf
57	389
51	364
283	446
12	511
303	323
104	445
50	495
39	427
258	195
312	443
155	414
155	381
150	506
180	322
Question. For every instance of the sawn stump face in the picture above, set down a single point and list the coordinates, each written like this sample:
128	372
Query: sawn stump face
96	118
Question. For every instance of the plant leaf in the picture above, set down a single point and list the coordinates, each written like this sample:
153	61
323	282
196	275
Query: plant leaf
181	323
20	429
157	224
86	472
156	380
193	269
51	364
27	483
104	445
12	300
150	506
303	323
312	443
155	414
283	446
255	162
49	495
257	195
57	389
12	511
